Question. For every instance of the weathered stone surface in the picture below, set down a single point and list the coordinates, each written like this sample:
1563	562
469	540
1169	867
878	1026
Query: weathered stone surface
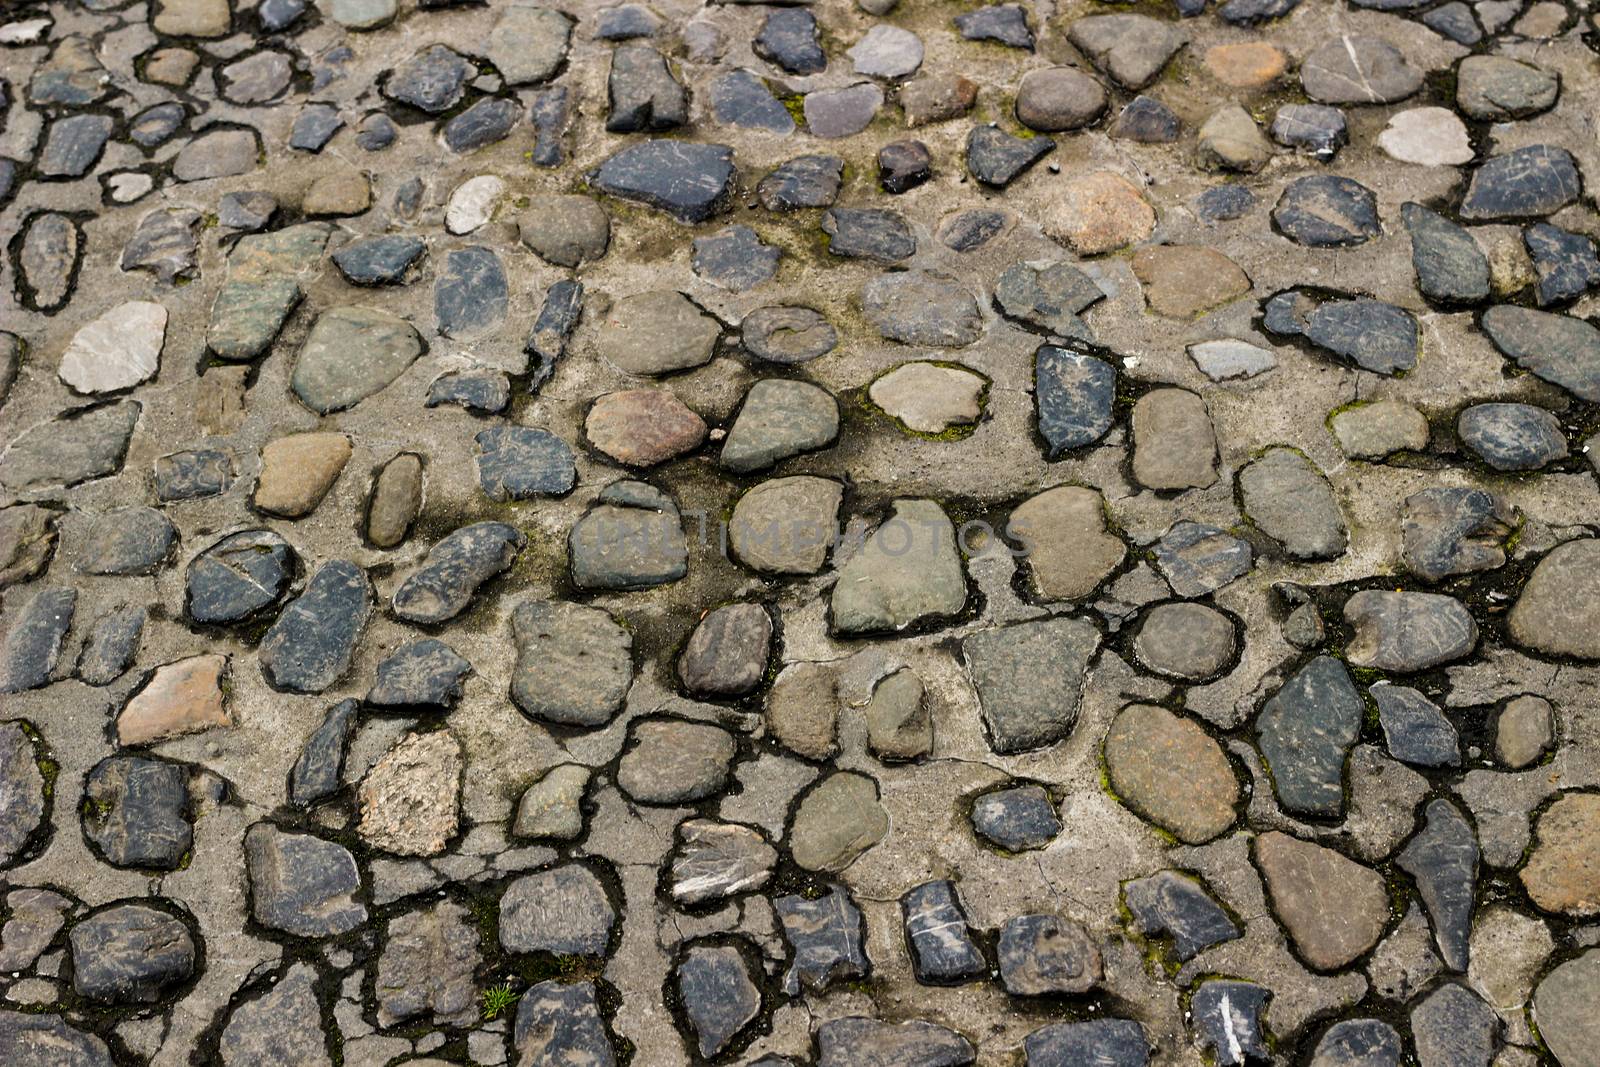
1073	397
1327	211
826	936
1131	49
310	646
564	910
715	860
1184	280
1289	500
1554	612
672	761
1069	550
996	158
633	538
836	822
302	885
117	351
906	573
860	1040
427	967
1373	335
1048	296
1561	1007
1560	874
1377	430
1512	437
690	182
552	807
350	354
727	653
456	567
1524	731
1111	1042
718	995
802	710
1099	212
559	1022
410	799
1041	955
22	793
1168	770
130	953
1174	442
35	634
282	1025
1196	559
318	771
1414	728
1358	1043
1407	632
922	308
1452	1026
297	471
1531	181
1449	264
1443	858
1016	819
522	462
77	447
1173	904
802	182
1029	678
136	811
470	298
426	673
786	525
238	577
1187	641
1305	731
1333	908
183	697
787	335
1356	69
643	427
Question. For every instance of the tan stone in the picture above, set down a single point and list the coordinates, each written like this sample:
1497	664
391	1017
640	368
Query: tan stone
643	427
1069	550
219	400
1246	64
184	697
836	822
297	472
410	799
1563	871
1174	443
1184	280
930	398
1099	212
193	18
803	710
1171	772
344	192
171	66
1333	908
396	498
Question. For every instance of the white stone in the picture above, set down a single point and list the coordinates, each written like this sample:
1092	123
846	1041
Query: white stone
1429	136
118	350
25	31
1231	358
473	203
887	52
929	398
129	186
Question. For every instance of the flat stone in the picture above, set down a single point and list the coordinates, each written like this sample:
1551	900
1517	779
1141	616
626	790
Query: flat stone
1443	859
1524	731
528	44
1058	98
672	761
657	332
419	674
72	75
1231	140
381	260
1224	203
887	52
1169	771
76	447
310	646
779	419
716	860
343	191
22	799
562	1021
1561	1007
727	653
1069	550
1558	348
1447	531
52	247
1004	23
802	182
1016	819
473	203
742	100
1407	631
34	637
219	153
1196	559
314	127
470	296
551	808
1317	129
786	525
1042	955
297	471
1414	729
111	645
432	80
1098	212
1146	120
1073	397
1499	88
868	233
1327	211
1454	21
632	539
1173	904
1192	642
836	822
73	145
835	113
904	165
193	475
1357	69
802	710
547	341
318	771
643	427
1559	874
854	1041
1449	264
1131	49
789	39
410	800
486	122
690	182
908	572
564	910
1565	262
1512	437
238	577
968	231
1290	501
1246	64
302	885
1107	1042
1230	358
787	334
130	954
936	97
183	697
718	996
1555	613
480	392
427	967
1427	136
942	948
1453	1027
1334	909
928	397
644	96
826	937
1305	732
523	462
396	499
350	354
1358	1043
574	664
454	569
735	258
1184	280
1526	182
1048	296
136	812
1174	442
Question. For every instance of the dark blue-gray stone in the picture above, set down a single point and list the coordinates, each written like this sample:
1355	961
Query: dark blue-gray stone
559	1023
1443	858
550	113
802	182
193	475
8	179
1249	12
309	647
1100	1042
789	39
941	946
317	773
1197	559
1512	437
1565	262
625	22
130	954
1327	211
689	181
1048	297
381	260
1537	180
248	211
450	576
136	812
1041	955
1146	120
33	639
1319	130
1287	313
314	127
997	159
471	295
547	341
112	645
26	1038
520	462
485	122
278	15
1359	1043
741	99
868	233
1449	264
1373	335
1073	395
1016	819
734	258
432	80
420	674
238	577
1305	732
484	392
857	1041
1454	1028
1226	1016
1455	21
73	146
1414	728
1222	203
1449	530
1005	23
718	996
903	165
1558	348
971	229
376	133
134	540
79	445
644	96
826	937
1173	904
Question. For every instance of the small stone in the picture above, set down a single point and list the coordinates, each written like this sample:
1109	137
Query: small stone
1450	267
177	698
302	885
789	39
836	822
297	471
1227	1014
997	159
1552	614
1512	437
72	76
563	1021
909	571
716	860
1005	23
802	182
427	967
1231	140
789	335
1146	120
672	762
742	100
318	771
382	260
1531	181
23	803
454	569
410	799
930	98
1498	88
1562	1007
551	808
1327	211
310	645
73	146
1524	731
420	674
786	525
1171	772
1104	1042
1358	1043
1454	21
735	258
1174	442
528	44
111	645
1073	396
899	726
238	577
1560	872
1289	500
1048	296
193	475
1414	729
1450	531
34	917
376	133
1443	859
862	233
547	341
164	244
1016	819
154	126
942	949
1069	550
257	78
363	14
1356	69
574	664
1453	1027
855	1040
220	153
1427	136
1313	128
657	332
727	653
171	66
1132	49
564	910
929	398
825	936
431	80
903	165
1407	631
1187	641
118	350
1099	212
472	203
521	463
643	427
887	52
718	995
1196	559
1228	359
471	294
1246	64
1565	262
644	96
1058	98
77	447
835	113
130	954
802	710
1558	348
1042	955
779	419
1334	909
551	115
486	122
632	539
350	354
193	18
1306	731
314	127
1223	203
136	812
1172	904
346	191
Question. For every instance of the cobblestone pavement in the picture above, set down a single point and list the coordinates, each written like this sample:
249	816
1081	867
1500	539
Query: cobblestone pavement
851	533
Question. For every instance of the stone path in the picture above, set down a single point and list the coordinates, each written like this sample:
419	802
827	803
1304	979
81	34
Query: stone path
833	532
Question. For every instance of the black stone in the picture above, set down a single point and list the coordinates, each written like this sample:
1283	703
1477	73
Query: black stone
1146	120
735	258
1048	297
309	647
1359	1043
1327	211
718	996
376	133
1565	262
134	540
1414	728
130	954
1455	21
432	80
1005	23
1449	530
547	341
484	392
1287	313
520	462
1319	130
136	812
444	585
238	577
485	122
314	127
1172	904
644	96
625	22
741	99
1449	264
1305	731
1222	203
1101	1042
1016	819
317	772
689	181
942	949
193	475
1227	1017
276	15
301	884
997	159
1373	335
868	233
802	182
246	211
1073	397
1443	858
789	39
560	1023
471	295
112	645
903	165
1537	180
33	639
1512	437
422	674
971	229
550	113
381	260
826	936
